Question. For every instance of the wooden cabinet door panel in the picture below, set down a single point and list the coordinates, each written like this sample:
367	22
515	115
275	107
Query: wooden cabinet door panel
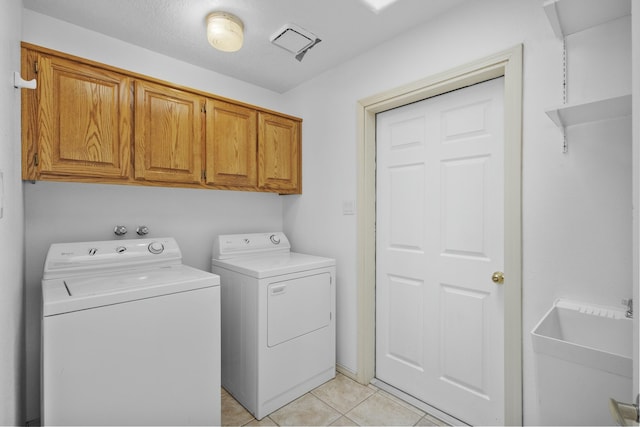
231	144
84	120
279	154
168	134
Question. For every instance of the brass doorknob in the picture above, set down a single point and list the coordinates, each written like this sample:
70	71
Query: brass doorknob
498	277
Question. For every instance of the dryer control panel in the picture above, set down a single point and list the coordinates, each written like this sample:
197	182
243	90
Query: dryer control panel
232	245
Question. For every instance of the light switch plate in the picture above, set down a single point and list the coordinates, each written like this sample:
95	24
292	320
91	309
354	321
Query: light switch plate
348	207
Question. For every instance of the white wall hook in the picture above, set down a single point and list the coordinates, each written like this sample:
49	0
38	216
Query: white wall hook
20	83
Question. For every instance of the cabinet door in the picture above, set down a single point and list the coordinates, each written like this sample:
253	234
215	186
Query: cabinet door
279	154
168	134
231	145
84	120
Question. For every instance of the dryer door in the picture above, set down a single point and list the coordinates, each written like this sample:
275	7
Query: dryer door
297	307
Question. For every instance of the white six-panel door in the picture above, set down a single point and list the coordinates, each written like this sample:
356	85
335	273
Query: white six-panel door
440	238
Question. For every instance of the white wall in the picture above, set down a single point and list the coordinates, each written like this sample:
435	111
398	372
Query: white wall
11	222
576	206
59	212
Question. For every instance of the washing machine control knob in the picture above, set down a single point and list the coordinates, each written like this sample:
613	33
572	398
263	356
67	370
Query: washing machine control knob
274	239
156	247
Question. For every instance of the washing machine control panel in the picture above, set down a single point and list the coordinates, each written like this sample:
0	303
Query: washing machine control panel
68	258
156	248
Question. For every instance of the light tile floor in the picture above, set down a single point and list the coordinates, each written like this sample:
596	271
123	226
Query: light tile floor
339	402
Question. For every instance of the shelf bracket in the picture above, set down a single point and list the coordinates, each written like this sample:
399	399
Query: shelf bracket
556	118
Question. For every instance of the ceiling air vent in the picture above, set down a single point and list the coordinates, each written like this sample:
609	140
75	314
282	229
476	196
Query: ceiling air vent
295	40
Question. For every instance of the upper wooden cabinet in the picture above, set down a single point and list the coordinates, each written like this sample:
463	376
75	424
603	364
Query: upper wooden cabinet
231	149
279	154
91	122
81	120
168	134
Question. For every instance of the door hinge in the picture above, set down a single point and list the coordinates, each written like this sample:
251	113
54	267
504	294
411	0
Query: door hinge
204	107
35	67
36	159
204	175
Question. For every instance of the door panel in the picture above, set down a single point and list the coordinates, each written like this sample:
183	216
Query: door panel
405	312
168	134
440	236
464	336
231	144
279	154
84	120
463	214
406	188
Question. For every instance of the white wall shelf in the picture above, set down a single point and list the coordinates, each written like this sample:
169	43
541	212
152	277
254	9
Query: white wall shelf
568	17
571	16
575	114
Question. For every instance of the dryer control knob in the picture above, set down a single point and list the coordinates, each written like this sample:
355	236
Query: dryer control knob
156	247
274	239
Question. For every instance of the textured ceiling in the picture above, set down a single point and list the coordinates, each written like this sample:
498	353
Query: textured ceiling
177	28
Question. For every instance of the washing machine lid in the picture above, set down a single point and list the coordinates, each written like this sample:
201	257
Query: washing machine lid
263	266
63	295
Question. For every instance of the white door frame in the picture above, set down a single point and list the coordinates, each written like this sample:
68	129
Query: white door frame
507	63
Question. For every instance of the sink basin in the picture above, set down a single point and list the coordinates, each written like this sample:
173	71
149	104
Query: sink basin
598	337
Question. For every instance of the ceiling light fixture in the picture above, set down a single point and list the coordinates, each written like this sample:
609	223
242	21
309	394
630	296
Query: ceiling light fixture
225	31
378	5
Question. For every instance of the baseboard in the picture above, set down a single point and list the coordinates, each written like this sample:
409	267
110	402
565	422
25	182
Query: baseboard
347	373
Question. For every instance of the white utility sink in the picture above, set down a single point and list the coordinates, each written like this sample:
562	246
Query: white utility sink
594	336
583	359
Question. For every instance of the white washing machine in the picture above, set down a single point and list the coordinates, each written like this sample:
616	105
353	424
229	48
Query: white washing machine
278	320
130	336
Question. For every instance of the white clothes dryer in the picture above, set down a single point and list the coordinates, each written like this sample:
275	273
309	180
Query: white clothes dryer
130	336
278	319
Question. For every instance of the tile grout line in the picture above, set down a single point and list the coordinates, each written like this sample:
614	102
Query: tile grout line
344	415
